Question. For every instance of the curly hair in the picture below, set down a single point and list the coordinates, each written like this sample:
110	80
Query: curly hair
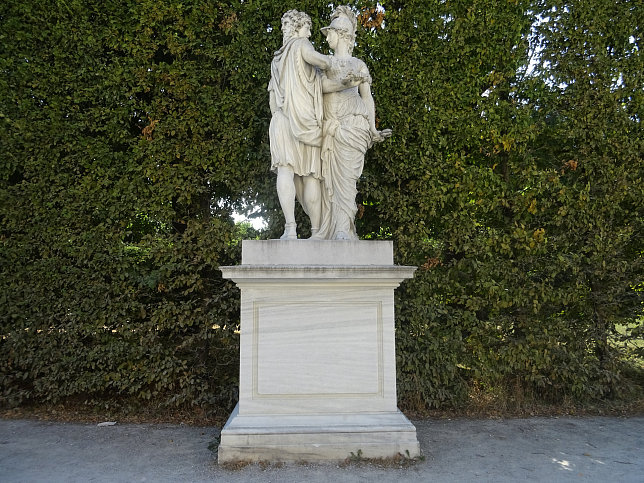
292	21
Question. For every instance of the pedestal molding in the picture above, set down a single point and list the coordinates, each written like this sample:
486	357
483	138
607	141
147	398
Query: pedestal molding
313	273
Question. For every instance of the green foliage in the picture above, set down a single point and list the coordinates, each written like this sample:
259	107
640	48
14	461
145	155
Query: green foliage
517	188
131	131
125	150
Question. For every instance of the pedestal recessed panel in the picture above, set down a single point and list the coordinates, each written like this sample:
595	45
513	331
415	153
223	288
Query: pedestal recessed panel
317	349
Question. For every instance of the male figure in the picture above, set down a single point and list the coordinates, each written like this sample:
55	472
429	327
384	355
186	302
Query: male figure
296	125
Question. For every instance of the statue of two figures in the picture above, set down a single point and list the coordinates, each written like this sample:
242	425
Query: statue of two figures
323	122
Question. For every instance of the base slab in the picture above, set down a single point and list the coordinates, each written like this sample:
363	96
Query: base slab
325	437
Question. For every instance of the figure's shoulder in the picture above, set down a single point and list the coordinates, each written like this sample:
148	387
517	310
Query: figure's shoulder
302	43
360	65
361	68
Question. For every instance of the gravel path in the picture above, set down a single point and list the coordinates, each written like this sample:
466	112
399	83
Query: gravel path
538	449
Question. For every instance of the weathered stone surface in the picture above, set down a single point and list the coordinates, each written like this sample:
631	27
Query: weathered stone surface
328	437
317	361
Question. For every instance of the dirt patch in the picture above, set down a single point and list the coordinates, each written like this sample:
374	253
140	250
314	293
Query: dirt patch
482	405
79	412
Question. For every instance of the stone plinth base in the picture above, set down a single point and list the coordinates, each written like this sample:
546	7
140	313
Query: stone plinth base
328	437
317	353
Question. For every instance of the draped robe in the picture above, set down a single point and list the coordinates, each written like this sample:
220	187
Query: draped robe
346	139
295	131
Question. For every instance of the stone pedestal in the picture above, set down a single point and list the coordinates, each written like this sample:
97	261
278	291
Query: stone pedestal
317	366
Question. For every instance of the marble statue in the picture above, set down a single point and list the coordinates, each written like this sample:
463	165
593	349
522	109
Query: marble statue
349	128
296	125
323	122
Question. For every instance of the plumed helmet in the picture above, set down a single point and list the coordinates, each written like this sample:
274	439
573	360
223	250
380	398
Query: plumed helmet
342	24
342	19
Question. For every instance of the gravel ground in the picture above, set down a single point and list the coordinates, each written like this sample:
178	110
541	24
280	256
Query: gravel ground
538	449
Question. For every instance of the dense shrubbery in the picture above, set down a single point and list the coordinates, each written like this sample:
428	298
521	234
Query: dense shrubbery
131	131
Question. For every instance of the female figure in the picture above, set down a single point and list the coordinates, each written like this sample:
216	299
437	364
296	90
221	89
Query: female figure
296	125
349	128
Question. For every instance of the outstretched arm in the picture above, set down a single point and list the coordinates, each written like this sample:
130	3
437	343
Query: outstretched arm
367	98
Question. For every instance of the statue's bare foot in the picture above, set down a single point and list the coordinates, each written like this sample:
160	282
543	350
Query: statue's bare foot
290	232
341	235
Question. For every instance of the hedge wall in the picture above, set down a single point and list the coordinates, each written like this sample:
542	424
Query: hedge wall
131	131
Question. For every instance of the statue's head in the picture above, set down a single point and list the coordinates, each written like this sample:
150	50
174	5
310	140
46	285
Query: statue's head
292	23
343	22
